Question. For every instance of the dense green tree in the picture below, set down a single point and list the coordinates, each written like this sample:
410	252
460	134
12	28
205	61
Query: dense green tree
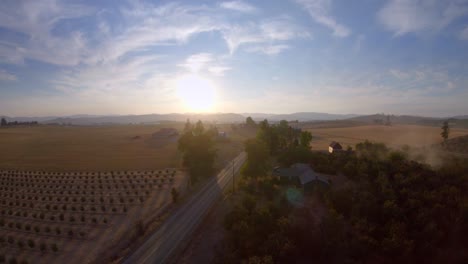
249	122
197	145
445	130
257	158
393	210
3	122
306	138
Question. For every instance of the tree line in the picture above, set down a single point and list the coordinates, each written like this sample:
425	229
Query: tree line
3	122
393	209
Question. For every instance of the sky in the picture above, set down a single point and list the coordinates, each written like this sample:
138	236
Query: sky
65	57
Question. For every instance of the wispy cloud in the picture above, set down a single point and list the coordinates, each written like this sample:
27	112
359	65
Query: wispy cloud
37	20
218	70
264	33
319	10
240	6
464	33
6	76
410	16
269	49
196	62
205	62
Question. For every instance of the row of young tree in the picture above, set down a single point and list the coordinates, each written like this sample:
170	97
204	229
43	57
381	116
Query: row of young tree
393	209
3	122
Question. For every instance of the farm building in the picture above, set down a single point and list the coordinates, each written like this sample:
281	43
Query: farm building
300	174
222	135
166	133
334	147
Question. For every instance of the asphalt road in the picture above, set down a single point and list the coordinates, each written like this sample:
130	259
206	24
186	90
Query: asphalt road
180	225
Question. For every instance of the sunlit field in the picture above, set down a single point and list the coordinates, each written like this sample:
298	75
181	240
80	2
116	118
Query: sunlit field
394	136
61	148
82	193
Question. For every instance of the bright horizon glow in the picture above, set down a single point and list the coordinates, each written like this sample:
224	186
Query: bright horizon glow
197	93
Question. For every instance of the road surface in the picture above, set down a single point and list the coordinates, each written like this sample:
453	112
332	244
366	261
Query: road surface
160	246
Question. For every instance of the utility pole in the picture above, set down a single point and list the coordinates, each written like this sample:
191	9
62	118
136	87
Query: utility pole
233	175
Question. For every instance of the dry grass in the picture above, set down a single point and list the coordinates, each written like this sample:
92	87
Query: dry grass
394	136
59	148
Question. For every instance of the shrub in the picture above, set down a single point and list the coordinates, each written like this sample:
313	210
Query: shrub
20	244
11	240
31	243
54	247
43	247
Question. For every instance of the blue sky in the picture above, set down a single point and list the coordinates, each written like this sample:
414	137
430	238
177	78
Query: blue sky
63	57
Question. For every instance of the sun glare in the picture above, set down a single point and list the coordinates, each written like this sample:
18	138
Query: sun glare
197	93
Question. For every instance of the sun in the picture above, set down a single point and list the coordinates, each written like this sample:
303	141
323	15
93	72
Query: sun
197	93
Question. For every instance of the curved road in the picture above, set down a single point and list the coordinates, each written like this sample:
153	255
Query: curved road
160	246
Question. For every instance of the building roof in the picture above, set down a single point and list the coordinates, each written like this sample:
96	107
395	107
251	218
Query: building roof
335	145
166	132
302	171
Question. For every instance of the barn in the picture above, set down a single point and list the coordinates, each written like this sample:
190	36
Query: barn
334	147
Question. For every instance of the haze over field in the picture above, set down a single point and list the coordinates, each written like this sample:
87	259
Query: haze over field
123	57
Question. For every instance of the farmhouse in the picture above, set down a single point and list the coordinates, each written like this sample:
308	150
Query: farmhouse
166	133
300	174
334	147
222	135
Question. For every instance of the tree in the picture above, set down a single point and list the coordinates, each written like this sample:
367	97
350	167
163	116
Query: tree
388	122
3	122
257	158
249	122
306	138
197	146
445	130
175	195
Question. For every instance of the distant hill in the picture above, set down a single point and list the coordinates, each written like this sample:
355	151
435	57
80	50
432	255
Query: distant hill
301	116
460	117
146	119
459	121
412	120
177	117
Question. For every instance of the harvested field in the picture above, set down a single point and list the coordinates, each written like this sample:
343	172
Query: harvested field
61	148
394	136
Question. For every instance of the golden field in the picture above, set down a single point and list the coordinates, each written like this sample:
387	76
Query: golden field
98	148
62	148
393	136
